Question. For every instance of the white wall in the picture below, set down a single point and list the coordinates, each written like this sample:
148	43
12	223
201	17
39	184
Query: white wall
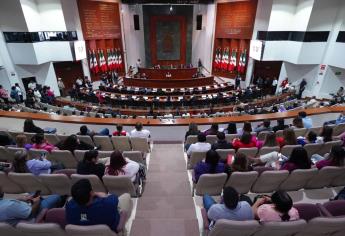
202	42
134	39
11	16
44	73
332	82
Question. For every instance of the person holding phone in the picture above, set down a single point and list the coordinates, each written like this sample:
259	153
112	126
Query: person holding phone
26	207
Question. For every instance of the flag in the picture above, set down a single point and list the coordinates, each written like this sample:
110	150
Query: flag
120	59
222	63
116	60
233	62
215	62
91	66
95	63
227	62
243	61
102	63
113	59
109	61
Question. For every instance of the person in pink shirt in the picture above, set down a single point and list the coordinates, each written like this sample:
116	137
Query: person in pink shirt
3	94
278	207
40	143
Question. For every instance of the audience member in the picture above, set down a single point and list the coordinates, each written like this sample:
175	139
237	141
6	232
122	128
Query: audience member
270	140
22	142
326	135
311	138
240	163
298	160
19	162
26	207
210	166
3	94
85	131
280	125
38	164
72	143
232	208
335	158
246	141
192	130
289	138
30	127
231	129
119	165
265	126
213	130
278	207
139	132
89	165
247	127
92	208
119	131
297	123
221	142
5	139
200	146
14	94
40	143
307	122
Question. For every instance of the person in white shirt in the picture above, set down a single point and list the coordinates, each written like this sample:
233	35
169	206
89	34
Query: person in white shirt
274	85
79	82
200	146
118	165
20	92
61	86
32	85
139	132
37	95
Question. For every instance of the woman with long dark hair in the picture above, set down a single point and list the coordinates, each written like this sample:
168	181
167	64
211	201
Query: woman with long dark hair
326	135
335	158
19	162
30	127
278	207
231	129
39	142
89	165
298	160
72	143
210	166
119	165
240	163
246	141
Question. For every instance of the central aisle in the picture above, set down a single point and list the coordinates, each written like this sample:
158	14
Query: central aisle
166	207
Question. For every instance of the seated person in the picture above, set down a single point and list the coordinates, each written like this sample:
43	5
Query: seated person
240	163
246	141
5	139
270	140
21	142
92	208
19	163
265	126
72	143
27	207
289	138
307	122
192	130
119	131
200	146
311	138
30	127
231	129
210	166
326	135
40	143
335	158
298	160
37	165
232	208
118	165
280	125
139	132
213	130
85	131
221	142
278	207
247	127
89	165
297	123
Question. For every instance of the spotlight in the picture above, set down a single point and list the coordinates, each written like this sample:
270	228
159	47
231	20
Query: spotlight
171	8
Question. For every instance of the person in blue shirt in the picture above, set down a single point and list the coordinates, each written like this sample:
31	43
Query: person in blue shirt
92	208
340	119
26	207
307	122
233	207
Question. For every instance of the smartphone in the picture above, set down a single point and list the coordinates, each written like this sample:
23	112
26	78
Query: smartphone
37	194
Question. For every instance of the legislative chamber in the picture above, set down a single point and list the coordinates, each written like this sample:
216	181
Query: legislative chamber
172	118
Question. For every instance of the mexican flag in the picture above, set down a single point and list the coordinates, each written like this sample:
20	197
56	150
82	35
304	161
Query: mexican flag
95	63
102	63
227	59
233	61
109	60
120	58
222	64
113	61
91	65
243	61
215	61
116	60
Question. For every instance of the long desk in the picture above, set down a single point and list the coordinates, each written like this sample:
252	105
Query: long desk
176	74
168	83
174	122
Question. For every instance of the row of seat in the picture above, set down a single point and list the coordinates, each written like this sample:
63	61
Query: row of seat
315	220
65	157
121	143
337	130
312	148
270	181
59	183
